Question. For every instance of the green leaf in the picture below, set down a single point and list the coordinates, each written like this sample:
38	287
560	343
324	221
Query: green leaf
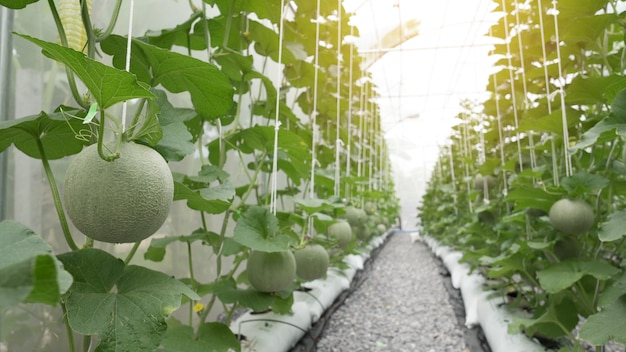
266	42
614	228
531	197
156	251
125	306
607	325
315	205
550	320
28	270
167	133
211	337
106	84
586	90
588	29
227	291
212	200
208	174
618	106
605	130
180	35
614	290
258	229
559	276
225	192
583	182
551	122
210	90
16	4
176	142
150	131
56	132
294	151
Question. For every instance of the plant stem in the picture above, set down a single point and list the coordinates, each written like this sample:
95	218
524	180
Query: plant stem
205	29
193	280
203	218
86	343
109	157
132	252
107	32
91	37
135	122
71	80
68	329
56	196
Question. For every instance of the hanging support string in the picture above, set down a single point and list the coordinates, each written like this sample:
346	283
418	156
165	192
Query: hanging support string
314	112
500	129
531	142
568	157
338	127
555	168
348	145
513	95
274	178
129	43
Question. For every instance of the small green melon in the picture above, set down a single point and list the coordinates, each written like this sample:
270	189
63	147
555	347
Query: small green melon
271	271
311	262
120	201
381	228
571	216
342	231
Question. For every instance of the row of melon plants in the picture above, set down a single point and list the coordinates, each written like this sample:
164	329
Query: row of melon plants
531	186
313	179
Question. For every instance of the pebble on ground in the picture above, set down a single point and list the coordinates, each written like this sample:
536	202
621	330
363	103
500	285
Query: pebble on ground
401	306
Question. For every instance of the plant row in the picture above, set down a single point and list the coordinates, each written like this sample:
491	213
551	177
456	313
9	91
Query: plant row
316	177
531	185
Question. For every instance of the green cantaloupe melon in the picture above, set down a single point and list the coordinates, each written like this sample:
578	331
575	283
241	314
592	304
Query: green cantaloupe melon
271	271
571	216
120	201
311	262
342	231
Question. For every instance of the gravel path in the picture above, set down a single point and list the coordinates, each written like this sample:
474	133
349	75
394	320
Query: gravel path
402	305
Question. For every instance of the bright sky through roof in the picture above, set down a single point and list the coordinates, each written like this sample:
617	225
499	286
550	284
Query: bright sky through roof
422	81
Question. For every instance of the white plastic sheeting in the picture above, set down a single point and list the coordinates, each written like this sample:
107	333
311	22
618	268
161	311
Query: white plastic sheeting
271	332
481	307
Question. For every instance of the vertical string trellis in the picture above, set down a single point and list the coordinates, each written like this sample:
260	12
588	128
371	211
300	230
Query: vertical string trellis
314	111
349	131
338	127
568	157
555	169
531	143
466	153
512	79
500	128
129	43
279	77
364	113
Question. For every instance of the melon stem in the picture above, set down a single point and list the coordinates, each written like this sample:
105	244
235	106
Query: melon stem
63	37
132	252
56	197
68	329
